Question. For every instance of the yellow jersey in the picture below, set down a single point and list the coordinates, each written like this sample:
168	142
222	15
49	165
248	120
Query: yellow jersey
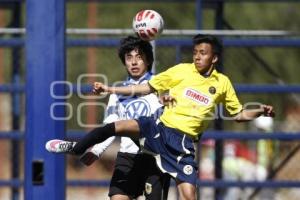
196	96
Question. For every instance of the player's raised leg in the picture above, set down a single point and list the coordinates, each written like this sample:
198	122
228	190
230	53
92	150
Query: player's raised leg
129	128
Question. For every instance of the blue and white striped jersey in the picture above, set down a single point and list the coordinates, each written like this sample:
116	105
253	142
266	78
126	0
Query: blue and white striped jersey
129	107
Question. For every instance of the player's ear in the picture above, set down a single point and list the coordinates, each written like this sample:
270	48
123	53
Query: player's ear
215	59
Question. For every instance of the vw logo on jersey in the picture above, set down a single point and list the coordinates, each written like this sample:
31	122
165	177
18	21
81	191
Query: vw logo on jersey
137	108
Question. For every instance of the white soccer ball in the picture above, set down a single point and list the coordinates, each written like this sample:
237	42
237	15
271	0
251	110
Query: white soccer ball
148	24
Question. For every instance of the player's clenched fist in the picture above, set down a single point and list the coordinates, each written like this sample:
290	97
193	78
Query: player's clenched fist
167	100
99	88
268	110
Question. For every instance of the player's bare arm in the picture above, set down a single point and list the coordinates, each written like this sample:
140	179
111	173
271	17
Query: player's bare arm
250	114
142	89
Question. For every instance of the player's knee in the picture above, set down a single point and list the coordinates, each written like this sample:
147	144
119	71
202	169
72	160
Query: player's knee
188	195
187	191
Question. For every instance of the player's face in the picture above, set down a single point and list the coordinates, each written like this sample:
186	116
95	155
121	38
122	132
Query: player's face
204	57
136	64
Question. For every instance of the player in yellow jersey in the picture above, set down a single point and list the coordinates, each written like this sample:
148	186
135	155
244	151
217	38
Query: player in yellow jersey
196	88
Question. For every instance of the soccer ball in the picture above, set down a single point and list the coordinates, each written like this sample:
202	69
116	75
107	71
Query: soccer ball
148	24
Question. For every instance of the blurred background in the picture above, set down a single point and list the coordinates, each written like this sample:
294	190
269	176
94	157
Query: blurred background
257	160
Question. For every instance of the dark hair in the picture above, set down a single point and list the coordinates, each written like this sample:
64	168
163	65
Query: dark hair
210	39
130	43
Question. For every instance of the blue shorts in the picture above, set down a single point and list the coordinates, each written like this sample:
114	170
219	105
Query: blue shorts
174	151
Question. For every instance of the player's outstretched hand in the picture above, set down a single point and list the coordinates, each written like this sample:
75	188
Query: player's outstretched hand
268	110
167	100
99	88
